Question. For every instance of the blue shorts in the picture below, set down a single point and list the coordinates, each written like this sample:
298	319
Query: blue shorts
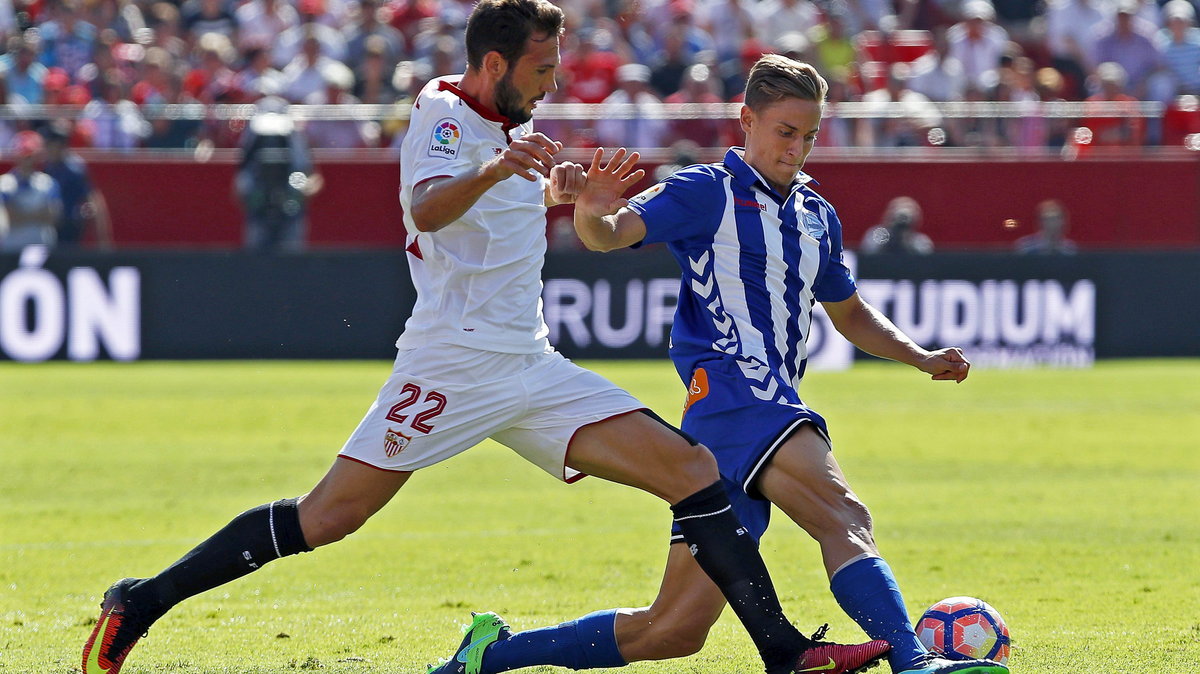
743	432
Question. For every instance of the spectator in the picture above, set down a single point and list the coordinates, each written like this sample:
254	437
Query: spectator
666	73
258	78
8	20
288	45
900	230
1050	85
838	131
977	43
833	47
67	40
367	28
639	128
303	76
1126	46
1114	131
1072	29
437	37
1051	237
167	28
776	17
8	127
153	82
1149	17
592	69
26	76
937	74
82	203
201	17
908	130
112	121
124	17
174	133
682	14
860	15
1016	17
213	81
730	23
406	16
699	86
1029	130
373	78
924	14
275	180
260	22
31	199
631	37
1179	45
343	134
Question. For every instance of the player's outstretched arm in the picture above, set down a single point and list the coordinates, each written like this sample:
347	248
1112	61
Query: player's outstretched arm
868	329
601	219
440	201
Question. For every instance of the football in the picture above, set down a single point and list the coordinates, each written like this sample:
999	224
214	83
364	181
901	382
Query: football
962	628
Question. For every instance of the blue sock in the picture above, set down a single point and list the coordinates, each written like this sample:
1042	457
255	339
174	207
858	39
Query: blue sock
589	642
867	592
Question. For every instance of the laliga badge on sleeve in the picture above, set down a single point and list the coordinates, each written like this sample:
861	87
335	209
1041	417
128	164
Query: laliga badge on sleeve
447	137
648	193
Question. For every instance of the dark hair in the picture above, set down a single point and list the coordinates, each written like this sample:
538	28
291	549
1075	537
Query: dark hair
505	25
774	78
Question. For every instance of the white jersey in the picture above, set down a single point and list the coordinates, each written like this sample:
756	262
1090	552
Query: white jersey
479	279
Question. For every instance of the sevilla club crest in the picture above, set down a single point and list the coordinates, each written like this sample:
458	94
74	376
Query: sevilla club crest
394	442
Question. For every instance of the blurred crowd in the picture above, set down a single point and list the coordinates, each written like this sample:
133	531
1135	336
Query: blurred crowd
119	59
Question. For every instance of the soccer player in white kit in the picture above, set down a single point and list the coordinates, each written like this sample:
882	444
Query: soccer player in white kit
474	362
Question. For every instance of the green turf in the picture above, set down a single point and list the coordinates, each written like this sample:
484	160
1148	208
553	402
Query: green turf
1066	499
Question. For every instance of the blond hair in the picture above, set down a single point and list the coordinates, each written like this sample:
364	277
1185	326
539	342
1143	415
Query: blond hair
774	78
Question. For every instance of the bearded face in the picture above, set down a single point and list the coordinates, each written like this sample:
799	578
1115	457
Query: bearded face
511	103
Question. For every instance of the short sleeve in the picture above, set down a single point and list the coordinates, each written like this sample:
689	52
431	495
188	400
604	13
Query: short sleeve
836	282
439	142
687	205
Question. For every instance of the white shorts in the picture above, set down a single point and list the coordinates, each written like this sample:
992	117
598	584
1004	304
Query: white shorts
442	400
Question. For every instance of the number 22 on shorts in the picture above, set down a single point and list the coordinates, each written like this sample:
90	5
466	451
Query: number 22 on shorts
410	394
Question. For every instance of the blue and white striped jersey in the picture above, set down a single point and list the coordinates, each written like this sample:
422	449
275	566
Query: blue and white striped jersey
753	262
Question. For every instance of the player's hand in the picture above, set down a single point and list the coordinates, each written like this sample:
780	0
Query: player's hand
946	365
604	185
566	182
526	157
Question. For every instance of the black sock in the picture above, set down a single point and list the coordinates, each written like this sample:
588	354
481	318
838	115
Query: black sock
255	537
730	557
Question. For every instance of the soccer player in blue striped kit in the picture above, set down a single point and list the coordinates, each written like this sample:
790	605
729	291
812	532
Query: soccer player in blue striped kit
474	362
757	247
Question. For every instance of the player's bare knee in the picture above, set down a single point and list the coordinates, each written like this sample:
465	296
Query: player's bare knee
696	467
675	637
330	525
683	644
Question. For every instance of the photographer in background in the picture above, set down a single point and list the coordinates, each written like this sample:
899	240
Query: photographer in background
900	230
275	180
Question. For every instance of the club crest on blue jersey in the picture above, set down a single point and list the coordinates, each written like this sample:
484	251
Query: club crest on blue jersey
446	139
813	225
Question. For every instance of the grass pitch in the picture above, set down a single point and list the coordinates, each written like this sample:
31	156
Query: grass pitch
1066	499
